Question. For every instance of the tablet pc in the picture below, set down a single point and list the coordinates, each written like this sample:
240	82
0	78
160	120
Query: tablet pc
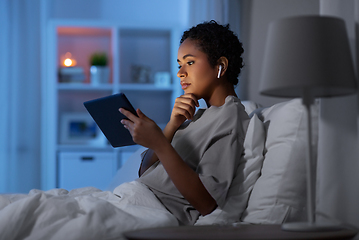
108	118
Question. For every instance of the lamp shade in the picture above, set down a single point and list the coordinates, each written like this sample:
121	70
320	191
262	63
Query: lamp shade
307	53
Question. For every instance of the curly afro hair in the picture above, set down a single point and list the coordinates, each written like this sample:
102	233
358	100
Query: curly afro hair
217	41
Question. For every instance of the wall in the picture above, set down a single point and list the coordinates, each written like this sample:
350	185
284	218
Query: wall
338	165
154	12
256	16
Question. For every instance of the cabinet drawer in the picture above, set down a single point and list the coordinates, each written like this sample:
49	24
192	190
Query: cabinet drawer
85	169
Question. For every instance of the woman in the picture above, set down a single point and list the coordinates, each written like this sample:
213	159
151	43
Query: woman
190	164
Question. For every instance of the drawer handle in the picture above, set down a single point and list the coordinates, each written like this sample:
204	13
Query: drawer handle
87	158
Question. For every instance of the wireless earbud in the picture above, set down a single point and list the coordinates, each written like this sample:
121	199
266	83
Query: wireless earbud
219	71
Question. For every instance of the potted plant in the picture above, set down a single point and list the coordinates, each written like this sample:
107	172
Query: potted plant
99	70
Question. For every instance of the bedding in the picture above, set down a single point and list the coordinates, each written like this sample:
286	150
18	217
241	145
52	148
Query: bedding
85	213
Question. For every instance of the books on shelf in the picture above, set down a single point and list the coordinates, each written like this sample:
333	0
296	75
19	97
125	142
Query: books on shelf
71	74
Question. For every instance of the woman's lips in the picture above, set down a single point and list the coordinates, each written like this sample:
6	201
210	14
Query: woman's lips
185	85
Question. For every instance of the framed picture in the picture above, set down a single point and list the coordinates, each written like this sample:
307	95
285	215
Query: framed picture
80	128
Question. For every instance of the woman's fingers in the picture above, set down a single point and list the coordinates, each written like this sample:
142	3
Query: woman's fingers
128	114
186	105
141	115
144	131
189	98
128	123
184	110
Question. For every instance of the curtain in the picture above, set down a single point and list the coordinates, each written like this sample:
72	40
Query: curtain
4	106
205	10
338	159
222	11
20	95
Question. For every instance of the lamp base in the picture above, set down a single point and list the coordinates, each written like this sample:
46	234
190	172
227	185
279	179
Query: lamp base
311	227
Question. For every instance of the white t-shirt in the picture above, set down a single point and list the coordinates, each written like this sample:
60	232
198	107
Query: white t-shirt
212	145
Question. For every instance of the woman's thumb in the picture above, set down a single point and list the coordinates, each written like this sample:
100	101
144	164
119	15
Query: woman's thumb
140	113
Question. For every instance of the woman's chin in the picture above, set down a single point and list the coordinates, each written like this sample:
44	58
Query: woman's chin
187	91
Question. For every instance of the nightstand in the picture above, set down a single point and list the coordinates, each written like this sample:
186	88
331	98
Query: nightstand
247	232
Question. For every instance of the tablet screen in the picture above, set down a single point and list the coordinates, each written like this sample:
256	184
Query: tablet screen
105	112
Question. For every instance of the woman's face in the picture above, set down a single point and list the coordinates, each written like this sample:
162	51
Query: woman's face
195	72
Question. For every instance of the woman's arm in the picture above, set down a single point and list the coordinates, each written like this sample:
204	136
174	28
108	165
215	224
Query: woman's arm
145	132
150	157
185	179
184	108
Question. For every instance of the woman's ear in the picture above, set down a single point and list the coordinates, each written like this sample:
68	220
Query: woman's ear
222	66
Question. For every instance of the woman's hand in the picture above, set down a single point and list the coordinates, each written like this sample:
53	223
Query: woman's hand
184	108
144	130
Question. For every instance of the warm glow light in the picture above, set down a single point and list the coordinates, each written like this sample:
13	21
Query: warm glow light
68	62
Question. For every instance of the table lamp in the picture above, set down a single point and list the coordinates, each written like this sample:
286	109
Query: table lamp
308	57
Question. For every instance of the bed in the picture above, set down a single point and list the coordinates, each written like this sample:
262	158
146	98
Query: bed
269	188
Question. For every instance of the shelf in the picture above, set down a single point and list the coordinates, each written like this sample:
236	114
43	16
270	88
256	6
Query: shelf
146	87
143	53
81	43
139	57
80	148
84	31
107	87
83	147
84	86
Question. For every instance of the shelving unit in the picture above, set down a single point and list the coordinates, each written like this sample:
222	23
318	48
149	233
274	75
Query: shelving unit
131	50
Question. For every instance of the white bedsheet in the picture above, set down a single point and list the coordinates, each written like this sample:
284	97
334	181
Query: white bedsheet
85	213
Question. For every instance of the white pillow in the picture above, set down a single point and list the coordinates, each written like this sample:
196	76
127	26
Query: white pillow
247	174
279	195
129	171
250	106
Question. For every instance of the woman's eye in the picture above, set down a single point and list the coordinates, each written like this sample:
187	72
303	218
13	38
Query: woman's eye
188	63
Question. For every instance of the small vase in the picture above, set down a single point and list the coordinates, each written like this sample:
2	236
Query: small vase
100	75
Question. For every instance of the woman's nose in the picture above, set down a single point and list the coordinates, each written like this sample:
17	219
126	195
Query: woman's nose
181	73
